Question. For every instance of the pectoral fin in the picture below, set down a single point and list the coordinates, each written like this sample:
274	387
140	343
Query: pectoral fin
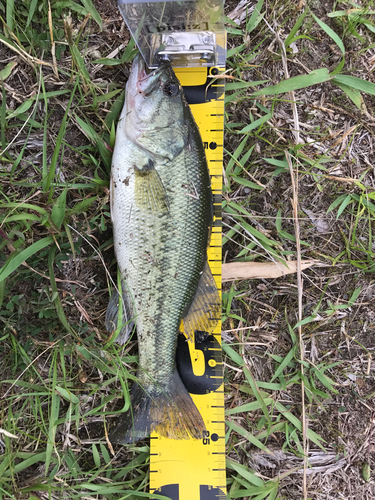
150	193
114	320
205	309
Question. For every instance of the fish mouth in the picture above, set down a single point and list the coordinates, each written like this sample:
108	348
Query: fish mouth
146	82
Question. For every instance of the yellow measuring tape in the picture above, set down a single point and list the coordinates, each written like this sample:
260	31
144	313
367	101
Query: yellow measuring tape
195	469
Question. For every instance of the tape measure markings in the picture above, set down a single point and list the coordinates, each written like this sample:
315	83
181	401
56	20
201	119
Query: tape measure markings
195	469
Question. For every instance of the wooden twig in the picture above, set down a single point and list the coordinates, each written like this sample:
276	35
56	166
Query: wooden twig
300	294
53	45
25	56
261	270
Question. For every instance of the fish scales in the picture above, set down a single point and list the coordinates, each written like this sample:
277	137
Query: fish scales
161	209
164	255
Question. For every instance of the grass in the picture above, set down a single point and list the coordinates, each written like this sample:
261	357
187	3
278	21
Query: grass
298	183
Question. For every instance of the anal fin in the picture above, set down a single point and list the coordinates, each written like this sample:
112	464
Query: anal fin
205	309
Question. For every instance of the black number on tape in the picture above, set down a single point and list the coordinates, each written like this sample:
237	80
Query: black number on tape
169	490
211	379
206	492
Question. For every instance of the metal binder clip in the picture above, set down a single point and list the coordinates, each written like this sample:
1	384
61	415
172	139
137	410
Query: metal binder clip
192	45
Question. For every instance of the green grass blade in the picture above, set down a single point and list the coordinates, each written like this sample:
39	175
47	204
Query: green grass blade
233	354
313	436
33	6
335	37
343	205
54	414
58	209
243	85
288	358
3	119
28	462
93	136
295	28
93	12
257	123
296	83
16	259
45	137
234	158
245	473
10	14
326	381
255	405
257	393
305	321
25	106
80	65
255	18
354	296
353	94
58	305
245	182
247	435
356	83
129	52
7	70
69	396
337	202
115	110
96	455
47	180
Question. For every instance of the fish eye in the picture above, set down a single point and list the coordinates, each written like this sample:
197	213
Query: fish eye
171	89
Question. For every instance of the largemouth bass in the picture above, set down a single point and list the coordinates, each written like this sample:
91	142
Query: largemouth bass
161	210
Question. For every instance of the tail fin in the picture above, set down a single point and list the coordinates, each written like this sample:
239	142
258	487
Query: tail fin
169	411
